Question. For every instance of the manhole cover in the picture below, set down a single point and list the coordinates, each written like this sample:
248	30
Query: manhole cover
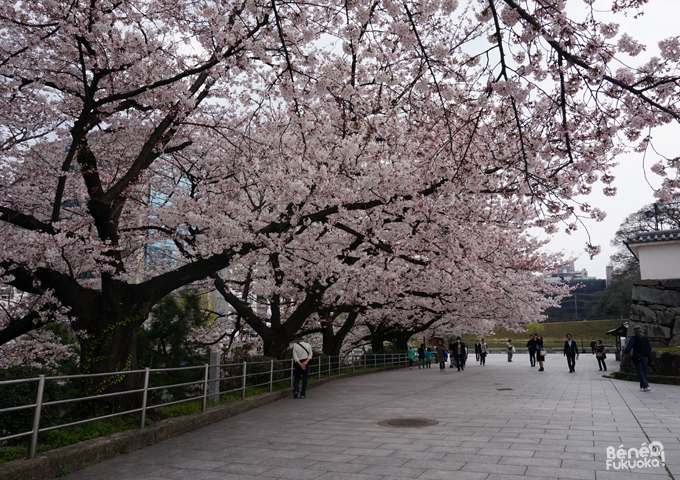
408	422
503	389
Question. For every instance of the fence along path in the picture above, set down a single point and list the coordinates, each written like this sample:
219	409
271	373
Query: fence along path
207	388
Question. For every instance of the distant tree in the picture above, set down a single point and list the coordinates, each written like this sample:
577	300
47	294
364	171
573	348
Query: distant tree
616	299
168	337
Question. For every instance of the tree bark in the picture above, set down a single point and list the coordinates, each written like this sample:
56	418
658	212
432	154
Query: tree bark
111	346
332	341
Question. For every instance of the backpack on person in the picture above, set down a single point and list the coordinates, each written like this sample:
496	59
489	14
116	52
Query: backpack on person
640	351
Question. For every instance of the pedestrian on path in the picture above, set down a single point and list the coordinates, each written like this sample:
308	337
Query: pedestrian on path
511	349
411	356
459	351
441	355
600	355
540	353
428	357
302	354
477	350
531	345
593	346
421	355
571	352
452	358
640	346
483	351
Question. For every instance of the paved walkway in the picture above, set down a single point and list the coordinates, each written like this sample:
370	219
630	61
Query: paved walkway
550	425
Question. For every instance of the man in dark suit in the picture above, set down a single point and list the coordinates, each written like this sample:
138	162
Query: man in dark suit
458	351
531	345
571	352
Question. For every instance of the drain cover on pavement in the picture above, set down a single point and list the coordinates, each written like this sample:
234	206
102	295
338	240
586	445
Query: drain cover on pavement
408	422
503	389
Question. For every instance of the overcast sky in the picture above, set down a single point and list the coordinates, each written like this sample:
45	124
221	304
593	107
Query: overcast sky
659	21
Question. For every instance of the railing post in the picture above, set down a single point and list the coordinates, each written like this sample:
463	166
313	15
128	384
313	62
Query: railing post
339	365
319	362
330	374
243	388
145	395
353	359
205	387
36	417
271	375
292	363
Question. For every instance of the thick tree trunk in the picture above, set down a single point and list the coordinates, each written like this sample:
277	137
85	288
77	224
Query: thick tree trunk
331	343
400	342
377	343
275	343
111	346
332	340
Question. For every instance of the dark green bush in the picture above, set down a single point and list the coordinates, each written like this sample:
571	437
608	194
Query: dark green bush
15	395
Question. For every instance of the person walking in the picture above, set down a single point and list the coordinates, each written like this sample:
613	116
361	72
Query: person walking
511	349
483	351
452	358
540	353
600	355
302	354
421	355
459	351
640	346
411	356
441	355
593	346
571	352
531	346
428	357
477	350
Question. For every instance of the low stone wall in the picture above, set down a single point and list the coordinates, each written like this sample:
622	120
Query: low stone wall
664	367
656	308
90	452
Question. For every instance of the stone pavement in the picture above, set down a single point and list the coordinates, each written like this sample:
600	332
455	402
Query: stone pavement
550	425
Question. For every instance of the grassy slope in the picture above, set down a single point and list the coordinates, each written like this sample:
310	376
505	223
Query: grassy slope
553	333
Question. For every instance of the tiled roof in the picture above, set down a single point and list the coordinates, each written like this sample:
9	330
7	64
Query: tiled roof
654	236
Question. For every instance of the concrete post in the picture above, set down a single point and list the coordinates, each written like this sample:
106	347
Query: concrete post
213	382
245	378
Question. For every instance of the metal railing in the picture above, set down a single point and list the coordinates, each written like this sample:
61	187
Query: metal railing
236	375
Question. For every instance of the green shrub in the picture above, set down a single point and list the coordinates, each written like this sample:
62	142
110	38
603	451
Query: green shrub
14	395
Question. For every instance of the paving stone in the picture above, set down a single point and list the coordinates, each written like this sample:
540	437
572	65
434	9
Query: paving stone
446	475
348	476
536	462
293	473
338	467
494	468
561	473
373	460
502	476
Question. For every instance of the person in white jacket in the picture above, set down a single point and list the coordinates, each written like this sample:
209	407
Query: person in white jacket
483	352
302	355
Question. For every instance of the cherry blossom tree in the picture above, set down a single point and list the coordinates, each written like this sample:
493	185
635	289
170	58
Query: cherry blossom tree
150	144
